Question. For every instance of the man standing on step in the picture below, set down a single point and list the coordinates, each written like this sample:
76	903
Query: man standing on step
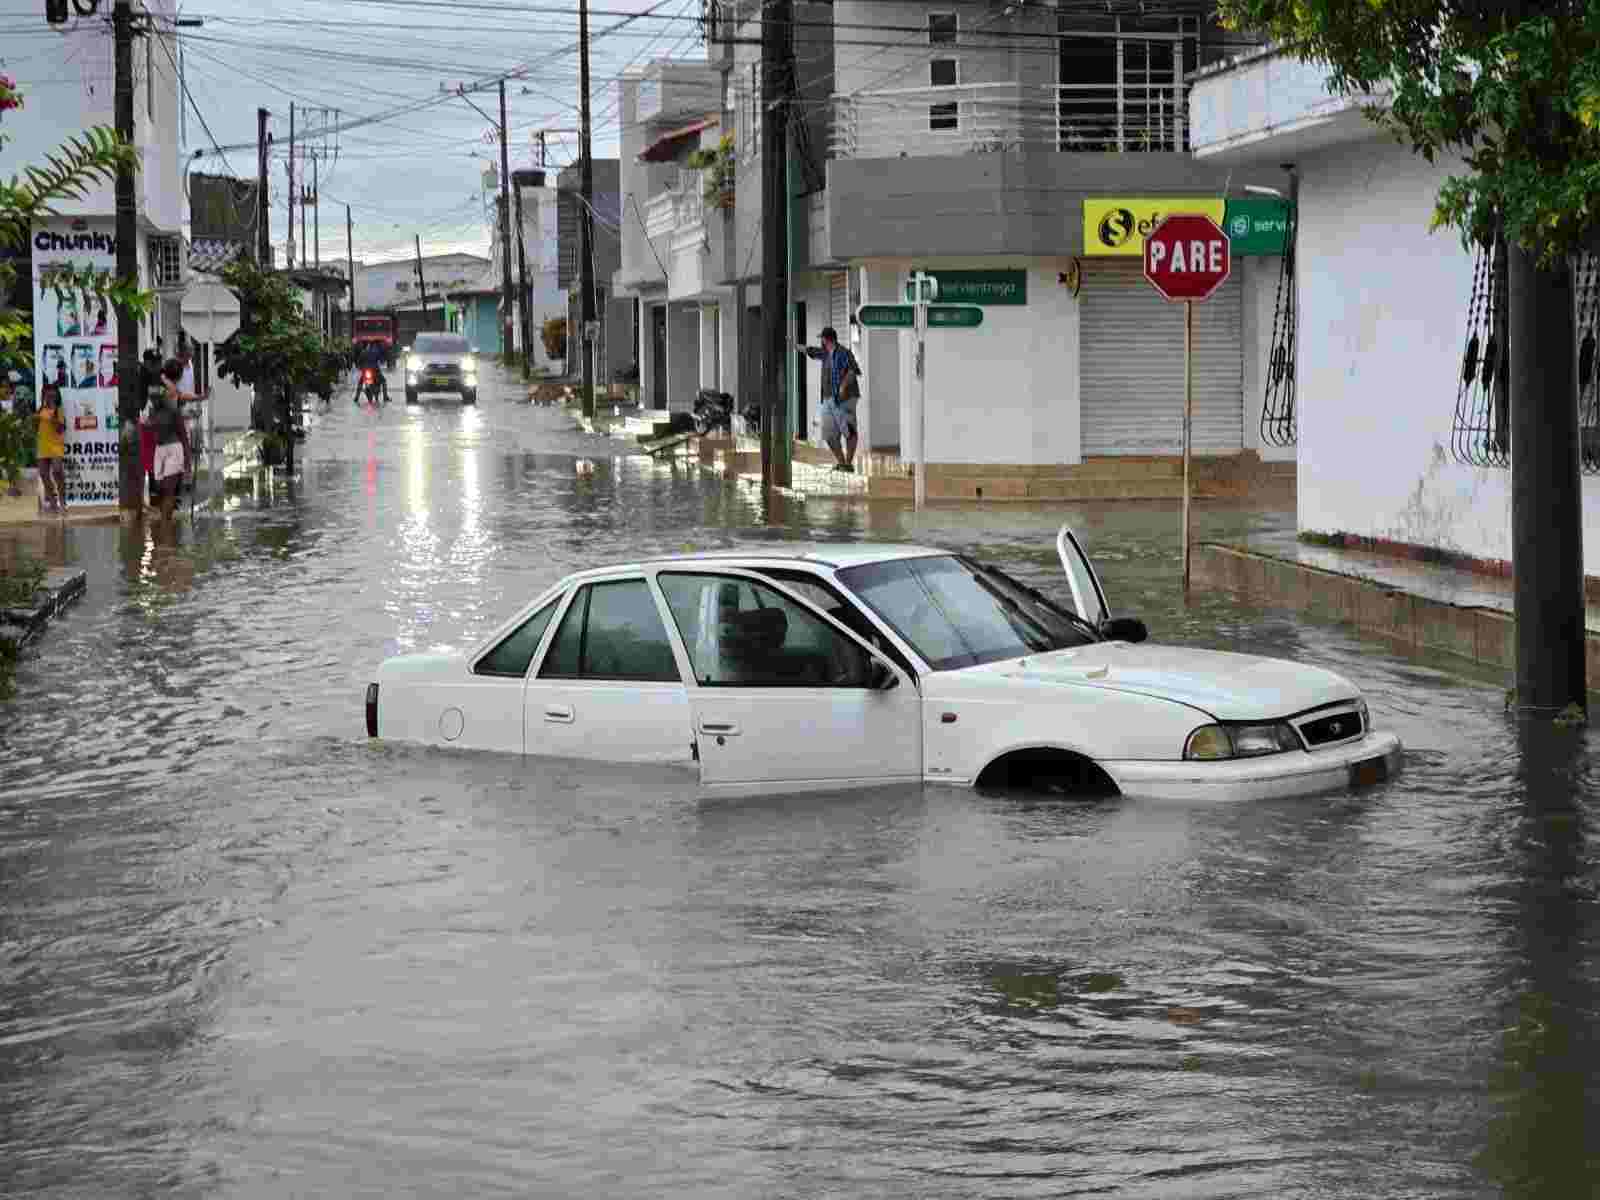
841	388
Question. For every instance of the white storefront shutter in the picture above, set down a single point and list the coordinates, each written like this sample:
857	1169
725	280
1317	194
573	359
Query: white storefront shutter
839	304
1131	366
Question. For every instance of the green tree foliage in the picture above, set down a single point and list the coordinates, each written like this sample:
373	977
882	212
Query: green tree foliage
1511	88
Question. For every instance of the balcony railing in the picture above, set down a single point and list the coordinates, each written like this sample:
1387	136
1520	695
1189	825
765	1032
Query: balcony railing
676	208
980	118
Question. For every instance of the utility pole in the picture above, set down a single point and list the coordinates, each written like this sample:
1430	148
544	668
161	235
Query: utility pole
1546	492
507	300
263	222
777	63
422	284
585	218
524	317
130	479
288	254
316	209
350	265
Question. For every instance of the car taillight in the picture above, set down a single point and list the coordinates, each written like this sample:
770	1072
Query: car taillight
372	710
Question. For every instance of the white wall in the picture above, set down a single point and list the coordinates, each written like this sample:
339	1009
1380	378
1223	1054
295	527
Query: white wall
379	285
1382	320
67	81
1007	391
879	355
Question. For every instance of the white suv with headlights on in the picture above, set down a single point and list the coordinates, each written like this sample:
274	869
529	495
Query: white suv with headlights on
441	364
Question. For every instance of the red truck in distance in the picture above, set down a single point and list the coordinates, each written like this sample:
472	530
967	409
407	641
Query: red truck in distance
383	328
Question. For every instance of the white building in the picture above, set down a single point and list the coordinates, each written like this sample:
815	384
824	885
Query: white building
1383	313
394	284
984	149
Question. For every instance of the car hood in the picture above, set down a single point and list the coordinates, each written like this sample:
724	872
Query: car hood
1231	687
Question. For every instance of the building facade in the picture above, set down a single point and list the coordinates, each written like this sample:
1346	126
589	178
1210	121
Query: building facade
1388	446
75	338
989	148
613	345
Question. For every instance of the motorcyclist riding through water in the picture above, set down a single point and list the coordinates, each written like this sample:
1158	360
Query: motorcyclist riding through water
370	358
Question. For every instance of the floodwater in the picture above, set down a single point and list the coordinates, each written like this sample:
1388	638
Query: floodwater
245	953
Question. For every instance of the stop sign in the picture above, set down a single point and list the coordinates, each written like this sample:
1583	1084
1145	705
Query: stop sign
1187	257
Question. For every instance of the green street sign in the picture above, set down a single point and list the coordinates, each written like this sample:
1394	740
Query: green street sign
981	287
955	316
887	316
1255	225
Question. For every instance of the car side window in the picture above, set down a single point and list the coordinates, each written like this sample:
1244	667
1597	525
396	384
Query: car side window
841	610
612	631
515	651
744	634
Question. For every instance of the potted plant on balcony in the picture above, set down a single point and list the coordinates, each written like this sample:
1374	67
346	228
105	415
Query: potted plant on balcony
719	167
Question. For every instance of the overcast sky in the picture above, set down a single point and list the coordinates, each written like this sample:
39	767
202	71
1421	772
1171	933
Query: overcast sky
418	170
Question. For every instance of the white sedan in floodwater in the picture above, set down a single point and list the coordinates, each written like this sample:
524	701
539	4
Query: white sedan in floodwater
841	666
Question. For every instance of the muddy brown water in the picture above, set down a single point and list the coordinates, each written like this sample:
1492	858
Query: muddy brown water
244	952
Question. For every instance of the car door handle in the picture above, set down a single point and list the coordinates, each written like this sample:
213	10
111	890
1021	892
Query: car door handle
558	712
720	728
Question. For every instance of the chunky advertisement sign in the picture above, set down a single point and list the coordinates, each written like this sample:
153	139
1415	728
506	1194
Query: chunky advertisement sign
75	349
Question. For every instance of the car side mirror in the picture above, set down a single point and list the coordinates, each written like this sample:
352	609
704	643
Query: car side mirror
882	678
1123	629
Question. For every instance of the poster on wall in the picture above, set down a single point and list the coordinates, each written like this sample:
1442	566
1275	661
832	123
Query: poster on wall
75	349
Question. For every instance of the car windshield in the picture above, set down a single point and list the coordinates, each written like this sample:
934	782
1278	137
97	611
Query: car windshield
956	613
372	324
440	343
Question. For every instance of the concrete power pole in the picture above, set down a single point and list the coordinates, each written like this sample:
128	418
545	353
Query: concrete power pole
288	254
422	283
585	218
777	65
130	478
524	316
263	214
506	290
350	265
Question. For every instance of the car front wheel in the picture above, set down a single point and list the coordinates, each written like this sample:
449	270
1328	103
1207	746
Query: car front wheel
411	396
469	397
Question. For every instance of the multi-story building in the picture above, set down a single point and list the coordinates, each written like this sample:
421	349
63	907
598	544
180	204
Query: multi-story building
988	144
1398	437
68	81
614	339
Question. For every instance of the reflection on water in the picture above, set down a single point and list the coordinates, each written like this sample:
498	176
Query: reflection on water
244	952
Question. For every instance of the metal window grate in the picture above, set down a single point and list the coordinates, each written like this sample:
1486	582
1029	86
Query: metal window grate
1480	433
1586	289
1277	406
166	262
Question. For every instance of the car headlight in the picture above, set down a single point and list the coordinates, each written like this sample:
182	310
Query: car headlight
1212	742
413	363
469	363
470	379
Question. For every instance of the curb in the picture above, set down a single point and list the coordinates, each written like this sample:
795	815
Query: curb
61	586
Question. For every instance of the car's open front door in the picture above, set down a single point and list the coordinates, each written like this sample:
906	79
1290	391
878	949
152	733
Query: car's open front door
783	696
1088	597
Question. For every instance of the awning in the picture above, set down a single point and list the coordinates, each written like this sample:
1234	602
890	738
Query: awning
666	147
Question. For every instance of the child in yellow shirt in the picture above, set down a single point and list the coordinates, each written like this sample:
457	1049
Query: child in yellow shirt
52	450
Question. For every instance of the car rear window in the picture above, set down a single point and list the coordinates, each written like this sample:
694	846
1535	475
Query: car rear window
441	343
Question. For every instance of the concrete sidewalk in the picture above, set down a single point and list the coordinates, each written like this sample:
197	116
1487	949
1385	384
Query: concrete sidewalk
1425	605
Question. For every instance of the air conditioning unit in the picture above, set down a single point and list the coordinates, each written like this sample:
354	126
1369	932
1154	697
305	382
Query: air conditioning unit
167	261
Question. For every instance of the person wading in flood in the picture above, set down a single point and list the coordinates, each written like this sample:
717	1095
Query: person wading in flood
172	439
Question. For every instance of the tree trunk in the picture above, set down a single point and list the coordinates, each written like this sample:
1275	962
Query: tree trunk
1546	494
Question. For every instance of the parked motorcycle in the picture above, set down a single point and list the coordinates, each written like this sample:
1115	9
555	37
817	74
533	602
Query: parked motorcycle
714	410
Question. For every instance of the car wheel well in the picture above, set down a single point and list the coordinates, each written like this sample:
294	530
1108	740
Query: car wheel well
1046	769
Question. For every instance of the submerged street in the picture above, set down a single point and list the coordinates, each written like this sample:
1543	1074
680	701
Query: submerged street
245	952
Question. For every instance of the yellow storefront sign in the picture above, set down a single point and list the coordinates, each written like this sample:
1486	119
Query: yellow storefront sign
1118	226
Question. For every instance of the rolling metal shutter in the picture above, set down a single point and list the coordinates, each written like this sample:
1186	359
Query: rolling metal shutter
839	304
1131	366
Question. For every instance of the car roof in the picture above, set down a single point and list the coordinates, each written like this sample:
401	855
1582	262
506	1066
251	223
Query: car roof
783	553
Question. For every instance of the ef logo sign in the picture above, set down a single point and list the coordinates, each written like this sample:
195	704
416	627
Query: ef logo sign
1116	227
